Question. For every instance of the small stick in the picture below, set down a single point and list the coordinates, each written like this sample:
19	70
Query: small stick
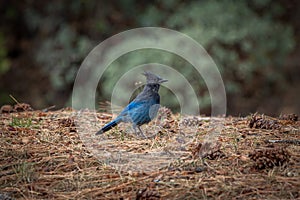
49	108
13	98
295	142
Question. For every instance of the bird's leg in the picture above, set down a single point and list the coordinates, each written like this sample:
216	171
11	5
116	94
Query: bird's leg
141	132
134	129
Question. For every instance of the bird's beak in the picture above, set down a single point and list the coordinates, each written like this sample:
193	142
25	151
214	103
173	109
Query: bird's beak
144	73
162	80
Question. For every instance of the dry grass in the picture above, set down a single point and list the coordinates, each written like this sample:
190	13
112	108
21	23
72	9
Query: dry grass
43	157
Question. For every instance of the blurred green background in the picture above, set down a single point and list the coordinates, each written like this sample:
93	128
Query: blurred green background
255	44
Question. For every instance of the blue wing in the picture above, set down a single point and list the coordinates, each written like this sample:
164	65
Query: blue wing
138	112
130	108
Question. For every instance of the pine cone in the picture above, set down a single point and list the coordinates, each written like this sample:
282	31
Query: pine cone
164	117
209	150
21	107
262	122
164	113
191	121
268	158
147	194
6	109
4	196
66	122
289	117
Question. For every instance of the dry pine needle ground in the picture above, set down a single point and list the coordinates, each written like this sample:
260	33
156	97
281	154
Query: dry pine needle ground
42	157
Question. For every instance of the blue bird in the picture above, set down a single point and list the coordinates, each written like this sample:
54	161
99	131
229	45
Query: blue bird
143	108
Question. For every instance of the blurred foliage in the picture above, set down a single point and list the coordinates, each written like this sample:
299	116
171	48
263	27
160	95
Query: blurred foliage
248	40
60	53
242	42
4	61
65	50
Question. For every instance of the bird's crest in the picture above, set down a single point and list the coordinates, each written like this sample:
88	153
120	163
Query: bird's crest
152	78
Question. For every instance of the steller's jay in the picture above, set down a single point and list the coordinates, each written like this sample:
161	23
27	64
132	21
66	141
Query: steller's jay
143	108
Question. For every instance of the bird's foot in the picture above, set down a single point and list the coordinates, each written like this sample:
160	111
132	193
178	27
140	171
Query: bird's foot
140	133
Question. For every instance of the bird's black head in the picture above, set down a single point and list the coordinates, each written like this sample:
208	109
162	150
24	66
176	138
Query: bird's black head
153	79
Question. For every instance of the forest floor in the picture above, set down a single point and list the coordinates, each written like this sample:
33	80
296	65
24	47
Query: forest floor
52	155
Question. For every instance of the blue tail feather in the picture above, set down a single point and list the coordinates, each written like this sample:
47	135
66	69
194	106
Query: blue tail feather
107	127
